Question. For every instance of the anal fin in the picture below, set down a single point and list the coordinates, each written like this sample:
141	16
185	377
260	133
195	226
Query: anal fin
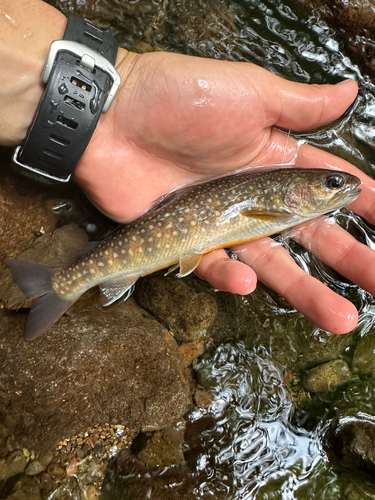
114	288
188	262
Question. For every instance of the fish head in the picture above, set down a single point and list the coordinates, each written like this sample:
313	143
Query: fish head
313	192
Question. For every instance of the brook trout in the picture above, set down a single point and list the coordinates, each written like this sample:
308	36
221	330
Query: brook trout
188	223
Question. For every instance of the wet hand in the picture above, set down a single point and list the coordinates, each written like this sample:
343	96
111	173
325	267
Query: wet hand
179	119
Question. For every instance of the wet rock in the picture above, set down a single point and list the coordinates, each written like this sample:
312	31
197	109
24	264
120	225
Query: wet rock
164	447
60	247
350	442
18	222
26	488
56	471
113	365
364	358
188	313
191	350
328	376
34	468
203	399
12	465
127	477
45	458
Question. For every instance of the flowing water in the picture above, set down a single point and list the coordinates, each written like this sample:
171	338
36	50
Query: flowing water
257	440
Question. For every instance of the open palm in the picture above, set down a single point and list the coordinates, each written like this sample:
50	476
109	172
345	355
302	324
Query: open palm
178	119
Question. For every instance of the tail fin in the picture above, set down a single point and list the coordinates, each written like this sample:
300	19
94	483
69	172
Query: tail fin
35	282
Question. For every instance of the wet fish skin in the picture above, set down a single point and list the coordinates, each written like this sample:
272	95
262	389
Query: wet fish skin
187	224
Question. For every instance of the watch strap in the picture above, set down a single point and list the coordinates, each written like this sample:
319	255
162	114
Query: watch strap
81	78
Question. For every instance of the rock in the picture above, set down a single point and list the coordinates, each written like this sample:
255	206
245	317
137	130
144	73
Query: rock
164	448
203	399
191	350
45	458
56	471
328	376
34	468
188	313
113	365
60	247
363	358
26	488
13	464
350	442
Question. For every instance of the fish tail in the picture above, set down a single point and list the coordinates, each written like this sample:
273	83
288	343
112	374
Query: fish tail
35	282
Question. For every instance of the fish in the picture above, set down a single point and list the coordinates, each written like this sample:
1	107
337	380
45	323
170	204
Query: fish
178	231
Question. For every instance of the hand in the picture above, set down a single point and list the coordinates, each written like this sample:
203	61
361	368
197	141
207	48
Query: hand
178	119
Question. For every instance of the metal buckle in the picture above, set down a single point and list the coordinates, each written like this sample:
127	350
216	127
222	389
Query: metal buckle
18	151
89	59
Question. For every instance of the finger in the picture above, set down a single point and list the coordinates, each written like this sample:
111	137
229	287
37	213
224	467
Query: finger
299	106
277	269
226	274
339	250
282	149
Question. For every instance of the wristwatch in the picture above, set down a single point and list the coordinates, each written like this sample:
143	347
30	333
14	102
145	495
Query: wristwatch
81	82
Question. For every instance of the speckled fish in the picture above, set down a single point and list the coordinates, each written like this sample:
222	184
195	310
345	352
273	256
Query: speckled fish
178	231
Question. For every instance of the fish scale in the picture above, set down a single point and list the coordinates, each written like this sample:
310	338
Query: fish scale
185	225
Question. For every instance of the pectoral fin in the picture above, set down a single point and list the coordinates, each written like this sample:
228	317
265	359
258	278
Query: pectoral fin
281	215
188	263
114	288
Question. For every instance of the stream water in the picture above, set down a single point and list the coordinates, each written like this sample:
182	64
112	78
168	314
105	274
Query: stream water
254	441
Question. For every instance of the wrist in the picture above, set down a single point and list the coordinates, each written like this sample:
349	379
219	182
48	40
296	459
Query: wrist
27	29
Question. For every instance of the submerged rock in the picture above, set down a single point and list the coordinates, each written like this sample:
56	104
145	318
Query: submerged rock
328	376
354	20
364	358
350	442
164	447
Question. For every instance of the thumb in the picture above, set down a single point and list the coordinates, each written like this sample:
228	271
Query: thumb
299	106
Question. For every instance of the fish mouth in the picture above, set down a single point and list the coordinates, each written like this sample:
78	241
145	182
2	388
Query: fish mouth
345	197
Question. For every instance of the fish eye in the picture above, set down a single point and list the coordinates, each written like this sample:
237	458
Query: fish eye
335	181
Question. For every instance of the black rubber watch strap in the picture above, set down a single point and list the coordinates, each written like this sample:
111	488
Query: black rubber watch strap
73	100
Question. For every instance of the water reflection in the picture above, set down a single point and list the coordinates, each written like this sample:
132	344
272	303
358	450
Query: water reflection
260	446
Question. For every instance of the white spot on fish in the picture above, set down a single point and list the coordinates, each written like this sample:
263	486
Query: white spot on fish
101	264
134	238
115	255
192	223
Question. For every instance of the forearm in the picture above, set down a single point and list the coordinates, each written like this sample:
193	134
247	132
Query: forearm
27	29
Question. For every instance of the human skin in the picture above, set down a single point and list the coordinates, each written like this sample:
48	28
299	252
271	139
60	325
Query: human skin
178	119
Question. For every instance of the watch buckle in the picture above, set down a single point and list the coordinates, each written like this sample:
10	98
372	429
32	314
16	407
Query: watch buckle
89	59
